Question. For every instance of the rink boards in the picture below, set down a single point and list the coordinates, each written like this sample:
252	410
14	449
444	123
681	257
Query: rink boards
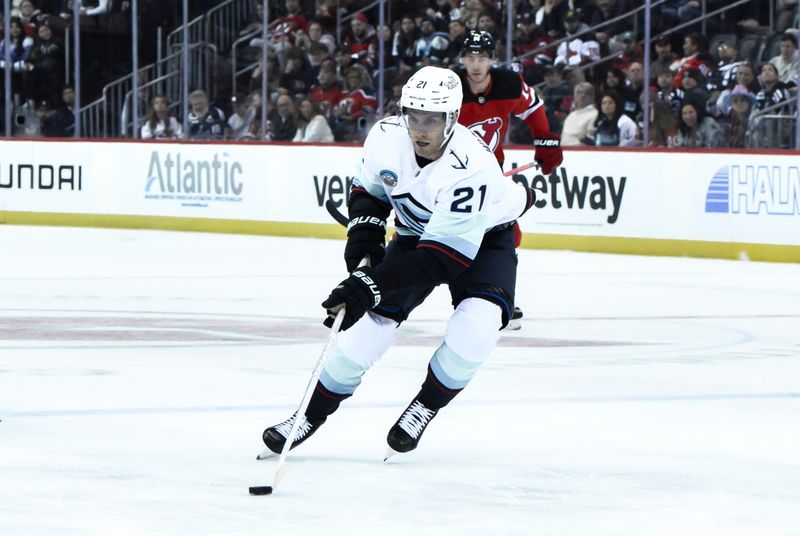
706	204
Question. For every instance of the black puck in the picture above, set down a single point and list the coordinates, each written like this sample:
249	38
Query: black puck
260	490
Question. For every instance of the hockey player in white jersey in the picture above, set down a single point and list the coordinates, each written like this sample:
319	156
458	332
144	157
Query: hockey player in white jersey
454	216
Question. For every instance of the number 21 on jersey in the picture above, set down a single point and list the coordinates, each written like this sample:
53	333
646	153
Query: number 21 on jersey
463	201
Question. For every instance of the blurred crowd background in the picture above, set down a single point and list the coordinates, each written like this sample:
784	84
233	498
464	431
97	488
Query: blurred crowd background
721	73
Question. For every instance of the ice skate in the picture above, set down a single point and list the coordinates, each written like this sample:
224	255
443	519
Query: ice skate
515	322
275	436
404	436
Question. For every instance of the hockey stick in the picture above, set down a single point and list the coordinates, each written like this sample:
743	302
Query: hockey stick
333	210
520	168
280	472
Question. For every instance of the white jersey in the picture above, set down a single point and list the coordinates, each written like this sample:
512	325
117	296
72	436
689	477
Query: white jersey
453	200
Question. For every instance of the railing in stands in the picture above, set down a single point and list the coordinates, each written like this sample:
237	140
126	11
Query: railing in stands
113	108
773	127
219	26
110	116
225	20
196	34
235	49
92	118
202	63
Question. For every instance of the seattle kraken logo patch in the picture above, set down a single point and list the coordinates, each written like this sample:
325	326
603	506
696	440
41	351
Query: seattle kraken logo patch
389	178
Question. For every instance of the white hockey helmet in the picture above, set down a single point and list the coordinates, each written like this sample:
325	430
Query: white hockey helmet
434	89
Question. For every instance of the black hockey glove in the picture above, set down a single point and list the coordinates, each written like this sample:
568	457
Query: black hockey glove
365	236
358	293
548	152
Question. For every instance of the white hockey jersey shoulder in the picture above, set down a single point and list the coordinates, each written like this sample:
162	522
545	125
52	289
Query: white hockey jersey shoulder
453	200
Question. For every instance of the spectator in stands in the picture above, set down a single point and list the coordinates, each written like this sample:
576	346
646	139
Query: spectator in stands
470	12
786	61
44	66
396	82
631	91
385	34
694	56
574	27
614	79
30	17
557	98
445	12
787	15
740	103
59	123
727	66
315	34
431	47
317	54
772	91
663	125
282	126
161	124
458	33
665	16
486	23
362	41
694	86
297	77
328	92
581	119
240	123
292	21
612	128
19	46
284	29
630	52
745	76
325	13
696	129
404	51
312	125
579	49
256	22
667	90
606	11
343	59
664	57
273	75
90	8
358	106
205	122
553	15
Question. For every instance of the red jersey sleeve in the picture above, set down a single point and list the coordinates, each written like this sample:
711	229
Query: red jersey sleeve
530	108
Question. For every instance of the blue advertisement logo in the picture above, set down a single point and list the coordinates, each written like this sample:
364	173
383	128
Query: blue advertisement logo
719	192
743	189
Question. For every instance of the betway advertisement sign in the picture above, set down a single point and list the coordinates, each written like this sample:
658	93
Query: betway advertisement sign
722	197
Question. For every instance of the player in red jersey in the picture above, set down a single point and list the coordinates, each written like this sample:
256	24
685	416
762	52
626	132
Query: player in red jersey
491	94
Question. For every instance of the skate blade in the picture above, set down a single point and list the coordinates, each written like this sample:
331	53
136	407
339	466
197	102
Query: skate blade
389	453
513	325
265	455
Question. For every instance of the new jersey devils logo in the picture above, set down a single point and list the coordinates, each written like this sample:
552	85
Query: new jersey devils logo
489	131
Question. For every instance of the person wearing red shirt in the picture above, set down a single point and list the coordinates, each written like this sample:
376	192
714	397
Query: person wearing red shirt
490	95
328	93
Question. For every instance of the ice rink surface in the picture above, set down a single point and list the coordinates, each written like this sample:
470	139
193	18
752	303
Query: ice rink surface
643	396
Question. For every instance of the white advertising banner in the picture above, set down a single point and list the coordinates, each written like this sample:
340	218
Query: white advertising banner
719	197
